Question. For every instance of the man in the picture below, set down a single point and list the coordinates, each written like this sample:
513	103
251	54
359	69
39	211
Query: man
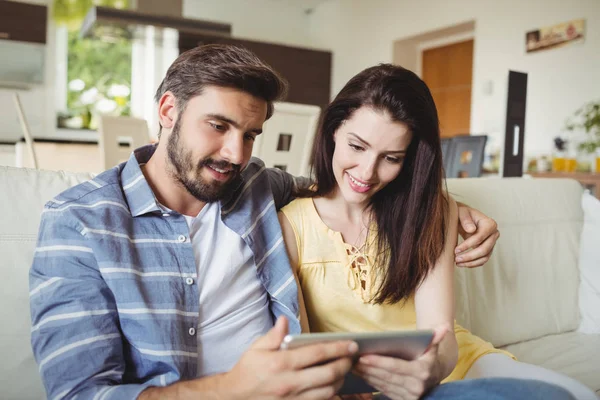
154	279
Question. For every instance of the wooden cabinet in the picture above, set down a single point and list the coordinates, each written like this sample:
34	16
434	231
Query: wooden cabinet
23	22
307	71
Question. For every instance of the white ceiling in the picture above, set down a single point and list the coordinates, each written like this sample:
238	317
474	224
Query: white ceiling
303	4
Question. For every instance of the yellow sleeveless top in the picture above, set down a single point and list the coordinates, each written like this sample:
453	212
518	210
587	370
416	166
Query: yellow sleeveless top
338	281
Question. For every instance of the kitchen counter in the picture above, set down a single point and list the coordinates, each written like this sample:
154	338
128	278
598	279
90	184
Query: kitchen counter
60	135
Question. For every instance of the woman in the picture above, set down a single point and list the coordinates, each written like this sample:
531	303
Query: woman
373	246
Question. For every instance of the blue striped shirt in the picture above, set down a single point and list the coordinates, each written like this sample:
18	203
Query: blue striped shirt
111	293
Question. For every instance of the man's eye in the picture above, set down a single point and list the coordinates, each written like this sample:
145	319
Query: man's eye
250	137
217	127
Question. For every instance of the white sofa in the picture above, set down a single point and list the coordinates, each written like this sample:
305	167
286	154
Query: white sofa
525	299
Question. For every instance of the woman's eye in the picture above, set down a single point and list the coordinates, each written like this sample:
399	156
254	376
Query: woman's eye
394	160
355	147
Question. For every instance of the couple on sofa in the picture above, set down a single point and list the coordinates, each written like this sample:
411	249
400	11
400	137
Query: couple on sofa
162	277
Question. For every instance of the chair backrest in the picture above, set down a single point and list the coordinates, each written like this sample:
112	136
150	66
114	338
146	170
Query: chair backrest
287	137
465	156
119	136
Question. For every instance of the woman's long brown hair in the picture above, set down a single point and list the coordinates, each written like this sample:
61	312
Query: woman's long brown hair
411	211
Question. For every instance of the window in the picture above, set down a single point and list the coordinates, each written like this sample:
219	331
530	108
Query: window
93	76
98	80
117	74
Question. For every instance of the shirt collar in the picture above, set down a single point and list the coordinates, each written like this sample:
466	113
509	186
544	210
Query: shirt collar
137	191
139	195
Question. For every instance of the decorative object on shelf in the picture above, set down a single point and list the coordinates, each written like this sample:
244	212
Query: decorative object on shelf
584	163
564	157
587	119
538	164
555	36
559	155
543	164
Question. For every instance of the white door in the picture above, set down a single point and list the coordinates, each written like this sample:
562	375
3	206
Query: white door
287	137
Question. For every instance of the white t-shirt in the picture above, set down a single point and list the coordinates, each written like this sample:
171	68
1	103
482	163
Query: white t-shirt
234	305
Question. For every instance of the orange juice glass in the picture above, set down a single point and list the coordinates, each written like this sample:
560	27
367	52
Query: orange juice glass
558	164
570	165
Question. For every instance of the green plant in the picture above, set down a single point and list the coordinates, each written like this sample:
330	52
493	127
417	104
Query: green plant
99	78
587	118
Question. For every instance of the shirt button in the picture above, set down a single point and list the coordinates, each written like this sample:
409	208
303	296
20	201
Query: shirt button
192	331
181	238
166	215
189	281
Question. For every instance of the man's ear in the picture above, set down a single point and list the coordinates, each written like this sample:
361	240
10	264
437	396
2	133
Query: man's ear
167	110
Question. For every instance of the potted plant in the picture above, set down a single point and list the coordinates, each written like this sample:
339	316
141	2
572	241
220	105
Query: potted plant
587	119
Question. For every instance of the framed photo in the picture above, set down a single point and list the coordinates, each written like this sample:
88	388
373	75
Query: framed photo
555	36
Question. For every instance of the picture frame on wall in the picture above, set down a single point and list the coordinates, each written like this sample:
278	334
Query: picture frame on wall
554	36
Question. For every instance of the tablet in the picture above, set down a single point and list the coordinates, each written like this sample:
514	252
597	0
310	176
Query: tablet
407	345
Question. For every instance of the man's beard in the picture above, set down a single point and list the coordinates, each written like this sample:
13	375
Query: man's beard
193	181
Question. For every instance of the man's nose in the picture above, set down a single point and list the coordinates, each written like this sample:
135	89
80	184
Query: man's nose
232	150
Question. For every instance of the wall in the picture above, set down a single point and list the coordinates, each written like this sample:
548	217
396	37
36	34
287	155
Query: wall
361	34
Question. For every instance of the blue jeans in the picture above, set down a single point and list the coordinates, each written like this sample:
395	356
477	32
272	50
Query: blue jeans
497	389
473	389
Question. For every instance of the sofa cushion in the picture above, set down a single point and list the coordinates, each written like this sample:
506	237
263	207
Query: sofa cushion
589	266
529	288
22	197
573	354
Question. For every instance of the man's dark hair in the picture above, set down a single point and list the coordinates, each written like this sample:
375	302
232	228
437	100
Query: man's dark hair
225	66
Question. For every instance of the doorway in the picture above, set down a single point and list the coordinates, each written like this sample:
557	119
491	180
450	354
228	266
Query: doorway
448	71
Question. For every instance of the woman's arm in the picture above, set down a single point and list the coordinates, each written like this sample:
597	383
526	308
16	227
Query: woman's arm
292	249
434	300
